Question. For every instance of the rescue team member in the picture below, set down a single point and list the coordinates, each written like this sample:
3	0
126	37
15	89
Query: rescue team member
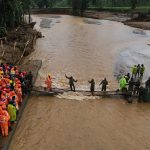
30	78
147	84
137	86
142	70
131	85
123	83
142	92
4	118
48	82
71	82
104	84
11	81
138	70
12	111
92	87
134	71
127	76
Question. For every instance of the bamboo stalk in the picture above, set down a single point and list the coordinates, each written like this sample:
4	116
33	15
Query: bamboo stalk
2	44
15	46
23	51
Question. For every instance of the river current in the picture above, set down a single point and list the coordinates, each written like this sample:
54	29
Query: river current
85	48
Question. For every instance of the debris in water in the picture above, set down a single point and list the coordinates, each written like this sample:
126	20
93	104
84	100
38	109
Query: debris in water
76	96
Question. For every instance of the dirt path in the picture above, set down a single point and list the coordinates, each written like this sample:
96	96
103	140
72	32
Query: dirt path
141	25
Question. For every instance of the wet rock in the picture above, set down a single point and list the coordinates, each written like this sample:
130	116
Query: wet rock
92	21
139	31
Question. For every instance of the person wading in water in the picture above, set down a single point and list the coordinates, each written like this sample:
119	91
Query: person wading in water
104	84
92	88
71	82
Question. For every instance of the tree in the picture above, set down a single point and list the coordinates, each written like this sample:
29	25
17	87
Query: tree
12	11
79	6
133	4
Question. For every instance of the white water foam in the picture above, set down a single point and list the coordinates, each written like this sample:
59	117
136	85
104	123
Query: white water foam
76	96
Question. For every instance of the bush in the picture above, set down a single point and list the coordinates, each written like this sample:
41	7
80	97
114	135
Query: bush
3	32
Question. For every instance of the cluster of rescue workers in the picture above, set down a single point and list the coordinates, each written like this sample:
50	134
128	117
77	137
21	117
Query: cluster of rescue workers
132	85
48	82
14	85
129	85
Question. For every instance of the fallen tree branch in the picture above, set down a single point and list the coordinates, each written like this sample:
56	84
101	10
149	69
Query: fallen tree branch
23	51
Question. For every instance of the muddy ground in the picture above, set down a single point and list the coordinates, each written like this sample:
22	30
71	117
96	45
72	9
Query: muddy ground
143	23
18	43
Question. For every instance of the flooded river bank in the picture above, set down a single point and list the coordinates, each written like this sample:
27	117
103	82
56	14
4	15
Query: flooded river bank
85	48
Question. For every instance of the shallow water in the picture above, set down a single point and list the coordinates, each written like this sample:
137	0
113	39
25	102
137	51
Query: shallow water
85	48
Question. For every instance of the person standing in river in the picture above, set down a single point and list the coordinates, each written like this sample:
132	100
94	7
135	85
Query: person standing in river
147	84
134	71
131	85
71	82
142	70
137	86
92	88
138	70
104	84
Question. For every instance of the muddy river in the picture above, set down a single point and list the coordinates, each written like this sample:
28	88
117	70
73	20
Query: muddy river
85	48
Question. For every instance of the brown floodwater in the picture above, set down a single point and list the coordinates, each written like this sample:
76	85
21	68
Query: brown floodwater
84	48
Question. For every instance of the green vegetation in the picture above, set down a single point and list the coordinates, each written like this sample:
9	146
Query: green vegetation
79	6
3	32
12	12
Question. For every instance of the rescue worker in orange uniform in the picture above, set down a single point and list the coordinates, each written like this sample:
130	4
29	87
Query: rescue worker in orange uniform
48	82
4	118
1	71
19	92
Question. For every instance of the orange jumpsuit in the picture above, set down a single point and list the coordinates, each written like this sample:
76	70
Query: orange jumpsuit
4	118
19	93
48	82
4	99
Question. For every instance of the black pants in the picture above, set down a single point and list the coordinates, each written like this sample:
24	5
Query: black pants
136	90
141	75
138	74
72	87
104	88
92	89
